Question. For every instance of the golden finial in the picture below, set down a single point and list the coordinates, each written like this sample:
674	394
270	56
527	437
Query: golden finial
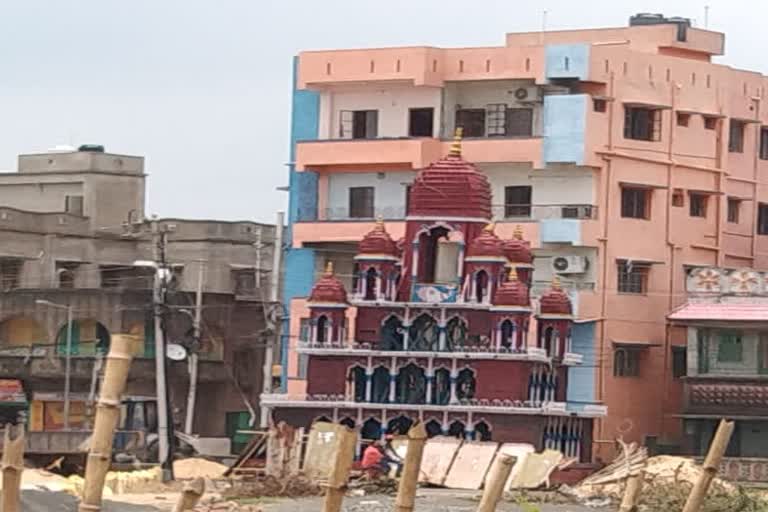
490	227
556	283
380	221
518	233
329	268
456	146
512	276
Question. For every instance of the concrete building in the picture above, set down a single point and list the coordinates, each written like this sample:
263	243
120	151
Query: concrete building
727	359
72	229
626	155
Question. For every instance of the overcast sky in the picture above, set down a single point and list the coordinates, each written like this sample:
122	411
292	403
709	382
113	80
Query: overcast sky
201	88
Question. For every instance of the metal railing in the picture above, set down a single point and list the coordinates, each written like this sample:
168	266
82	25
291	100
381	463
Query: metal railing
500	212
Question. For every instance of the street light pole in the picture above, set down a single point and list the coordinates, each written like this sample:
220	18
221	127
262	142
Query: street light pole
68	367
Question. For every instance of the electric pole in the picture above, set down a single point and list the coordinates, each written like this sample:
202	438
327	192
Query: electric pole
193	356
274	297
164	433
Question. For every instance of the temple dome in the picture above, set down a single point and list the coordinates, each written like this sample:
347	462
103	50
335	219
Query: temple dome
451	187
486	244
378	242
517	250
512	292
555	301
328	289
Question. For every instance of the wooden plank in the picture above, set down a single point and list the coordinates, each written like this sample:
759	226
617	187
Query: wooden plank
438	457
471	465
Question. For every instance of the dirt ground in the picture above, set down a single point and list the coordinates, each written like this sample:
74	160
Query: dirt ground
443	501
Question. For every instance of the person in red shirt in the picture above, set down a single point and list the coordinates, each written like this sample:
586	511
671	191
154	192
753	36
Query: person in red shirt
373	458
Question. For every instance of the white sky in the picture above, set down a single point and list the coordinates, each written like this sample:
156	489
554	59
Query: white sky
201	88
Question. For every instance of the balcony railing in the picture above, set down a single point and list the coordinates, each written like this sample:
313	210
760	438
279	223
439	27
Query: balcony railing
503	212
475	405
544	211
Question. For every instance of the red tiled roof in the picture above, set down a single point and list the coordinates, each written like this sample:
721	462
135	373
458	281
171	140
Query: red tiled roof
450	187
378	241
734	312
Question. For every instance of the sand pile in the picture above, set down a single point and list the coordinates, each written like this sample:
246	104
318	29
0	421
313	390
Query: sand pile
126	482
185	469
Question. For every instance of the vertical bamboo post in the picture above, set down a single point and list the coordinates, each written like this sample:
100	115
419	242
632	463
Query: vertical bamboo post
337	480
12	465
632	492
190	495
497	479
710	466
107	416
406	492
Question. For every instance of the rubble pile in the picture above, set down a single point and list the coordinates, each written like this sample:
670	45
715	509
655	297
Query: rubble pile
188	469
382	485
126	482
297	486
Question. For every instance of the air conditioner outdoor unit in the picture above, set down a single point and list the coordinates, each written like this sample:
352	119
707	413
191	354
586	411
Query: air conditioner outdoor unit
526	94
570	264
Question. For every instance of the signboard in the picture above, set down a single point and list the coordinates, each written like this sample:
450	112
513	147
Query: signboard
435	293
12	391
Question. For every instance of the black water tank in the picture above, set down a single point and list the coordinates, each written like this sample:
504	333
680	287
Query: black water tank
646	18
92	148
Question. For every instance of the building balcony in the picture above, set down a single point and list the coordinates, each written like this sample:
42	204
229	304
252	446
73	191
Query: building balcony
379	154
726	396
530	354
509	407
411	153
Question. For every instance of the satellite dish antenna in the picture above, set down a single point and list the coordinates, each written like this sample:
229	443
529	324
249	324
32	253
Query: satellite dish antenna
175	352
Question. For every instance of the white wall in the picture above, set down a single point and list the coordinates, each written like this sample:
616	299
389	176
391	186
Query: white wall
389	192
481	94
392	102
570	185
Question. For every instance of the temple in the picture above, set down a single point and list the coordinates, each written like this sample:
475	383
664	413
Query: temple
441	327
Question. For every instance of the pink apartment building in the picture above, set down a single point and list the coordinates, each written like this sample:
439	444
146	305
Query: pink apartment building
625	154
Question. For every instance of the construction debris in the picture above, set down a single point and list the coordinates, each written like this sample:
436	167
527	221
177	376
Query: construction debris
295	487
535	469
227	506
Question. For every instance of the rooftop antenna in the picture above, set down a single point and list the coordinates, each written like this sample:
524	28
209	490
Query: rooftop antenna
706	16
543	24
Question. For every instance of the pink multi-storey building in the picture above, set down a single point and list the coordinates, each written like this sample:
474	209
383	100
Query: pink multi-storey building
625	154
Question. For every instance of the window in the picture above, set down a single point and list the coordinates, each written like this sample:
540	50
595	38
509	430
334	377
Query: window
678	199
421	122
517	201
764	143
729	347
633	277
361	202
710	123
245	282
679	362
736	137
635	203
733	210
698	205
10	274
472	120
599	105
626	363
683	119
762	219
74	205
65	273
359	124
519	122
496	118
642	123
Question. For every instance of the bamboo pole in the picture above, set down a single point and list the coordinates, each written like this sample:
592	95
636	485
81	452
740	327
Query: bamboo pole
710	466
12	465
337	480
406	492
494	485
632	492
107	415
190	495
